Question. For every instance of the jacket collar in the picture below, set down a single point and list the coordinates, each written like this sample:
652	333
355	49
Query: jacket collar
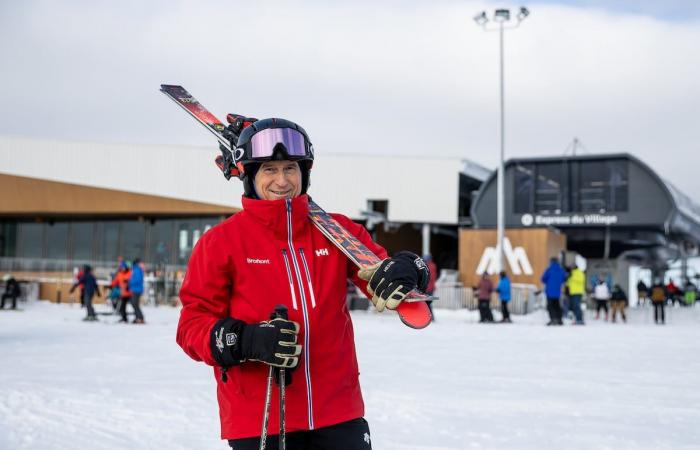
272	214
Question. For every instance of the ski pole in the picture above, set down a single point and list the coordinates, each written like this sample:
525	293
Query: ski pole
266	412
281	311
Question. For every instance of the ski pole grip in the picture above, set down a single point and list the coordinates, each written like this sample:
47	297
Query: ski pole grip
280	312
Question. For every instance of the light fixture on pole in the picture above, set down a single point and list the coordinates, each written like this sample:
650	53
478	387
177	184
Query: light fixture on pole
500	18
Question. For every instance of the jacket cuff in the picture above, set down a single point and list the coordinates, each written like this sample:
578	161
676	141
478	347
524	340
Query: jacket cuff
225	341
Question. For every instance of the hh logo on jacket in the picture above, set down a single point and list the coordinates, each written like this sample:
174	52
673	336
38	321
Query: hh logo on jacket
322	252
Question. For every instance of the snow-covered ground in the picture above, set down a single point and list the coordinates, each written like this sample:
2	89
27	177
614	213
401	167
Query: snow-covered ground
65	384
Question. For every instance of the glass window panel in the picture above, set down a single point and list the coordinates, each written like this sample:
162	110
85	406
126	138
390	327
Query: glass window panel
8	239
185	239
31	240
524	185
602	186
549	189
161	241
108	241
133	239
82	240
57	240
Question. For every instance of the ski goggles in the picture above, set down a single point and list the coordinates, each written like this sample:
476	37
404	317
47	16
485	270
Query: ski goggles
262	144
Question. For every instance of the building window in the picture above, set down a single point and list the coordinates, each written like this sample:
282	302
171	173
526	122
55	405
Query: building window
82	240
57	240
550	188
161	241
133	239
108	241
602	186
524	185
31	240
8	239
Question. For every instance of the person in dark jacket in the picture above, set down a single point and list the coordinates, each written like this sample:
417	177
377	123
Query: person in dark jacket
12	291
553	278
642	293
136	289
483	294
503	290
658	299
618	302
89	288
267	254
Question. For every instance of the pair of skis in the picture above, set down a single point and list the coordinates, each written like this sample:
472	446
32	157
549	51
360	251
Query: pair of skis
413	311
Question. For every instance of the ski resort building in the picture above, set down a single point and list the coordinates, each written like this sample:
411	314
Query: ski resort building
612	209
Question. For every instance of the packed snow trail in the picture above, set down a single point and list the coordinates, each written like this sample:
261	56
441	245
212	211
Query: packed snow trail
65	384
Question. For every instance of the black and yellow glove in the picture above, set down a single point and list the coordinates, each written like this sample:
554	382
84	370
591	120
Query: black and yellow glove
273	342
392	279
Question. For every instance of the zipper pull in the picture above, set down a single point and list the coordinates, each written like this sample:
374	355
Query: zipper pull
224	377
289	205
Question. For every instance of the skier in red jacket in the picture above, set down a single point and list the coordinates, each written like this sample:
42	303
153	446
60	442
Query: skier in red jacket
270	254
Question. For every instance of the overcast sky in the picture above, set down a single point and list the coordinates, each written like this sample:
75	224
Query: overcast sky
409	77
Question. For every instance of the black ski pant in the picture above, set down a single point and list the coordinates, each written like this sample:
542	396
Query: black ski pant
87	301
5	296
350	435
659	312
485	314
601	304
554	310
504	310
135	303
122	307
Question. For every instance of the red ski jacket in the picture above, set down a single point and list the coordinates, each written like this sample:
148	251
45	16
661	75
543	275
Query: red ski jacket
269	254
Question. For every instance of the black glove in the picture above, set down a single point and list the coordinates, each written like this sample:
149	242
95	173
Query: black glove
273	342
392	279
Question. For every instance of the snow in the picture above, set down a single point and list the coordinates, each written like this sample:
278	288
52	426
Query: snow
66	384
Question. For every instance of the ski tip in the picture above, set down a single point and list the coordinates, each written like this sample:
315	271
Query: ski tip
416	315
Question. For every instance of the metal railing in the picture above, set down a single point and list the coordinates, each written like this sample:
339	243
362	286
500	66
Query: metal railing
161	283
455	296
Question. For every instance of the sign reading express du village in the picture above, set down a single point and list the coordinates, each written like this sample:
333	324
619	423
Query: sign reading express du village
537	220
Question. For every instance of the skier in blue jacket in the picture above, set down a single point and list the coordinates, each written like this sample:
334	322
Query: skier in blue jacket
553	278
136	289
504	293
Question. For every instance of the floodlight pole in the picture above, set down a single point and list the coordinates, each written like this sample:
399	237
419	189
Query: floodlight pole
501	16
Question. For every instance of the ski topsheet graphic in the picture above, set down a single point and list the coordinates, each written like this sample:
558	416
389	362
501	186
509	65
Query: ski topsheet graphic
413	311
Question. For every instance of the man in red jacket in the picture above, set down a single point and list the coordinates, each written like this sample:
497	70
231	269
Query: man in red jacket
270	254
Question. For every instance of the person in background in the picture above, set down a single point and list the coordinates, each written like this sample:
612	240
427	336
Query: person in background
601	294
78	275
503	289
483	294
12	291
88	289
122	280
658	299
618	302
690	292
672	292
566	297
136	289
642	293
432	268
553	278
576	284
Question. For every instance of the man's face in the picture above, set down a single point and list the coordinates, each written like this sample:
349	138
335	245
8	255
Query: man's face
276	180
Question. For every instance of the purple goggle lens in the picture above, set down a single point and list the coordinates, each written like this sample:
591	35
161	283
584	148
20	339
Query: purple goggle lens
263	142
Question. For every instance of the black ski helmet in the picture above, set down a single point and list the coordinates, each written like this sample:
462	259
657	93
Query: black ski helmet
255	145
